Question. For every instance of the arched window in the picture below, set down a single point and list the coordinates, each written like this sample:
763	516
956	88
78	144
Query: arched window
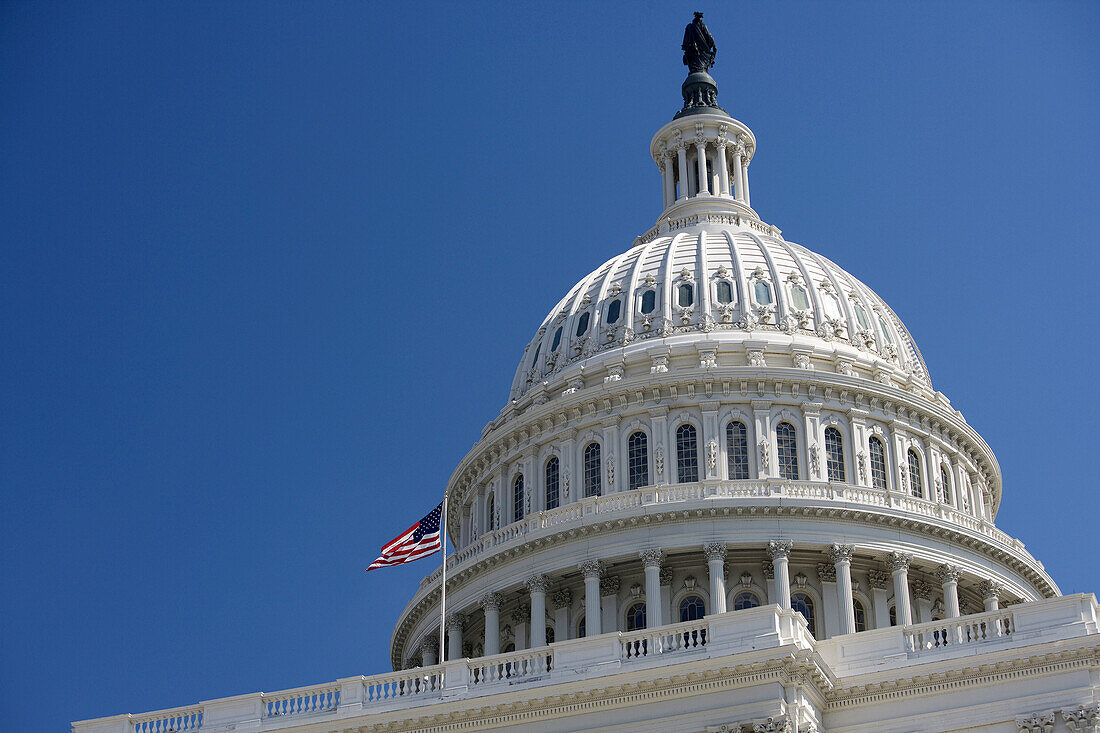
893	615
805	605
685	295
692	608
737	450
492	511
553	485
535	359
725	292
635	616
517	498
593	470
834	454
878	462
637	458
945	479
786	446
886	332
832	306
581	629
557	340
861	615
745	599
763	292
799	297
582	324
549	634
861	316
915	482
649	301
613	310
687	454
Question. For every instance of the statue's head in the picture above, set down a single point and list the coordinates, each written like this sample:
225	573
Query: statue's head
698	16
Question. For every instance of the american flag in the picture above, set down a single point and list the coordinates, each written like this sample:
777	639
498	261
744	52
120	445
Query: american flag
420	540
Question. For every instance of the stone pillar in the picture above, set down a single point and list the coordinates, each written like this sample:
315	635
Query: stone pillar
899	567
491	604
521	617
562	600
922	595
762	455
666	593
670	180
830	609
429	651
701	155
569	483
651	561
723	169
738	175
609	602
612	466
591	570
664	461
538	584
745	182
779	551
455	623
711	438
949	577
768	569
682	159
841	556
990	590
880	589
715	553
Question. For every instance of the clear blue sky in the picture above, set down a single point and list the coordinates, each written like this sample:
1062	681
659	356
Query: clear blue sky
268	269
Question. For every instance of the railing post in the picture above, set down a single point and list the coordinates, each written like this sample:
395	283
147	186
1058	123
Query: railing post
456	678
351	694
113	724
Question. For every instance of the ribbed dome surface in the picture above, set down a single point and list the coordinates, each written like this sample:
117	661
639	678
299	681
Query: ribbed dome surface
727	285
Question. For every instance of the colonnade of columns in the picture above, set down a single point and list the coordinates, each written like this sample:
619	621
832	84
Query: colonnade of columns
721	169
600	592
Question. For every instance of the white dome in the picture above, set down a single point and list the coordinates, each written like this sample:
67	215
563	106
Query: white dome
735	288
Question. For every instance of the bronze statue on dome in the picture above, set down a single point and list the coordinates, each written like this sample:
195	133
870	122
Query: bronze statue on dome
699	48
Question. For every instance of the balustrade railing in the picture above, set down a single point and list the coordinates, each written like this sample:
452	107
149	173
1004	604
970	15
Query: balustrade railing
977	629
412	683
301	701
513	666
169	721
663	640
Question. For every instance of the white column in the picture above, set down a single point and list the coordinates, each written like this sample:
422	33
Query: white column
568	481
537	585
990	591
562	600
738	174
826	573
612	466
880	583
711	447
651	561
745	182
491	604
949	577
666	594
899	567
842	561
609	602
723	170
715	553
701	153
779	551
669	179
591	570
682	159
429	649
662	464
454	636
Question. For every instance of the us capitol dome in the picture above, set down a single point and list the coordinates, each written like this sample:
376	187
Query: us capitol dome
723	495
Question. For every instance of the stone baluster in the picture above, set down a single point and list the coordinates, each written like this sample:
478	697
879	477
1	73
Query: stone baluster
455	622
537	585
715	552
779	551
841	556
949	578
491	605
591	570
899	567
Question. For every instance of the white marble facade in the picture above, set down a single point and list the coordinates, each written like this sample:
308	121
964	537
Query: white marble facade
723	496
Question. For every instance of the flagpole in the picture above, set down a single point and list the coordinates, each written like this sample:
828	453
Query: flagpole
443	586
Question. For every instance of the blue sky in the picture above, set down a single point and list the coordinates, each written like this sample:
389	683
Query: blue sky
268	269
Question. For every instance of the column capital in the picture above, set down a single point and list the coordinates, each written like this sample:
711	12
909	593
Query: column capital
490	600
609	586
455	622
562	598
780	548
841	553
990	589
538	583
779	724
947	573
878	579
1036	723
1084	718
429	644
591	569
651	557
899	561
714	551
